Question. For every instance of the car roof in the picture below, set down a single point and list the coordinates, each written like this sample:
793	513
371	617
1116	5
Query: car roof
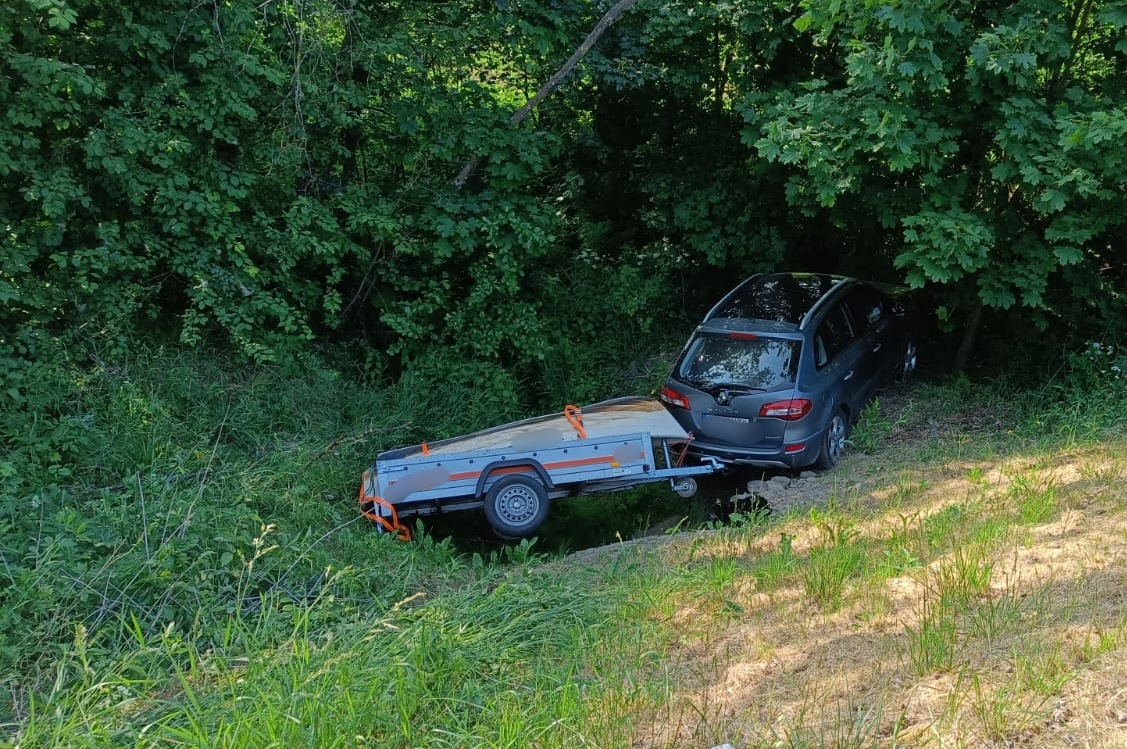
785	299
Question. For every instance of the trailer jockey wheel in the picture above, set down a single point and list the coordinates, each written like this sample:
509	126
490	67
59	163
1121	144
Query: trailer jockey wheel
516	506
686	487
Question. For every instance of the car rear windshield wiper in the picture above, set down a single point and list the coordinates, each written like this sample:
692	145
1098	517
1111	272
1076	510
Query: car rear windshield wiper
732	386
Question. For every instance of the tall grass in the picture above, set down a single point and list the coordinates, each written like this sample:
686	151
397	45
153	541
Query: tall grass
495	663
152	491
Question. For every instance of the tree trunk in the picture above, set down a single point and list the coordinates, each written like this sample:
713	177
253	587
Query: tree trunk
970	335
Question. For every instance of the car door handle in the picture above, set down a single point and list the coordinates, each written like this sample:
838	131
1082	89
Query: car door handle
848	376
877	347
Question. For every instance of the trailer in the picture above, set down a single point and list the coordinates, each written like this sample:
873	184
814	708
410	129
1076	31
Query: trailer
513	472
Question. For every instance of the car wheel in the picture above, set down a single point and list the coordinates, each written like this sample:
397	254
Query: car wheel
906	367
516	506
833	442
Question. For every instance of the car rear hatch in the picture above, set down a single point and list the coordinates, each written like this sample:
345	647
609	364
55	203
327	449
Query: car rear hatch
737	389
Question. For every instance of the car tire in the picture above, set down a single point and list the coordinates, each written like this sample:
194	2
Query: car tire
906	366
516	507
833	442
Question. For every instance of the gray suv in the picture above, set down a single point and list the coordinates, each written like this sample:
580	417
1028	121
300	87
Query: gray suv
778	370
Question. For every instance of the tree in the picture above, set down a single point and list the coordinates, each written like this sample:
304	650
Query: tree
979	133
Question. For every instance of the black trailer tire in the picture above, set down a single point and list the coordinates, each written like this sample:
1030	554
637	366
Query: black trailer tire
516	506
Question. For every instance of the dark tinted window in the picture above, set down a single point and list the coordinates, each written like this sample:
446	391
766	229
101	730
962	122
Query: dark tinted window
783	298
764	363
866	306
833	335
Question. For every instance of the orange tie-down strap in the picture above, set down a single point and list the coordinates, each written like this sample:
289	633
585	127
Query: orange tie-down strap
574	416
391	526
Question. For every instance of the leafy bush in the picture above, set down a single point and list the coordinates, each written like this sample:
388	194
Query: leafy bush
1097	367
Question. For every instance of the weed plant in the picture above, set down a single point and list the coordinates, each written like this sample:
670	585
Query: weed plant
930	643
874	425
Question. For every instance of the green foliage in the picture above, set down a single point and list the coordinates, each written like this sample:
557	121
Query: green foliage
1035	498
930	645
1042	669
246	173
274	179
496	660
873	427
1096	367
611	332
190	568
949	243
978	136
964	576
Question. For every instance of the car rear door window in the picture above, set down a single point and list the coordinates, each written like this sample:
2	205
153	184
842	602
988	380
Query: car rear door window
759	363
833	336
866	306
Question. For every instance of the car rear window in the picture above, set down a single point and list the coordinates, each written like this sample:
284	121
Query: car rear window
761	363
782	298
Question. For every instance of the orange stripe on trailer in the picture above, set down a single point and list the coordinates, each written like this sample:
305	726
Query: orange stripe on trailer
547	466
499	471
581	462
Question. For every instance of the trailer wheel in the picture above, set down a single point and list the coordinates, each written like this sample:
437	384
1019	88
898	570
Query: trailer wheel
516	506
686	487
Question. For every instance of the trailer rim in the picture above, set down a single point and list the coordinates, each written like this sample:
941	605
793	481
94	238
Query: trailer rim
516	506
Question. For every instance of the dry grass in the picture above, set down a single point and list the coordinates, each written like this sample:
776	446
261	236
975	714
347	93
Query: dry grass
991	610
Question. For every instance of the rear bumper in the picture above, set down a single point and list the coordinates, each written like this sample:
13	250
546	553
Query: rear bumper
801	454
797	445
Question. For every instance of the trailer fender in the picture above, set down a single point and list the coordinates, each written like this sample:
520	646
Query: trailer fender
497	465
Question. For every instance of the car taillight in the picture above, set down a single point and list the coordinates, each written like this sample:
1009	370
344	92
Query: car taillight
743	336
792	409
673	398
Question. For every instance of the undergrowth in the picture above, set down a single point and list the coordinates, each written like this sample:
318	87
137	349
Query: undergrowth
183	563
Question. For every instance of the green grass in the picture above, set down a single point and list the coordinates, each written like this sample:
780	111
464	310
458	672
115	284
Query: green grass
772	568
964	576
1035	498
492	661
931	643
183	566
829	570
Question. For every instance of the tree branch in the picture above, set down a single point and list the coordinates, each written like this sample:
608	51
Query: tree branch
554	82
